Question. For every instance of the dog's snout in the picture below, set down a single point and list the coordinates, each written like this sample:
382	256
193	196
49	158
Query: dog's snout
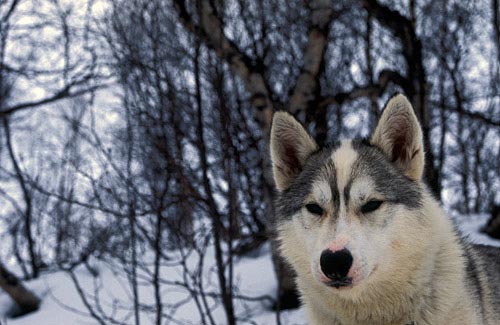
336	265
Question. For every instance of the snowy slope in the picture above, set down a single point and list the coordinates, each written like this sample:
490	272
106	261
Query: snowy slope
254	277
62	305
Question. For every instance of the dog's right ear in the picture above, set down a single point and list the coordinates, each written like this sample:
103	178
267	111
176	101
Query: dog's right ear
290	146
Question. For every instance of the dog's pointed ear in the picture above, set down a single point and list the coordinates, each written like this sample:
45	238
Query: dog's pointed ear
290	146
399	135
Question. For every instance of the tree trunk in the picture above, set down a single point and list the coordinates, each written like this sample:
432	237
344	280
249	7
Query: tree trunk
414	82
26	300
496	25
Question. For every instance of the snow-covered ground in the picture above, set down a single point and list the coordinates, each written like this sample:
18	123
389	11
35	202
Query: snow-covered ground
61	304
254	277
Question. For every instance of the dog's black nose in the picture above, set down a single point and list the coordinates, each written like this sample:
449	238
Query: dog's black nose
336	265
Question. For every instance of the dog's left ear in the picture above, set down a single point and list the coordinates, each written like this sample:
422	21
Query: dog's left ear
290	146
399	135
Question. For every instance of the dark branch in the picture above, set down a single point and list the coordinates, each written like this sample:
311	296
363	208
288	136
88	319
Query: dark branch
372	90
64	93
210	31
12	8
347	96
472	115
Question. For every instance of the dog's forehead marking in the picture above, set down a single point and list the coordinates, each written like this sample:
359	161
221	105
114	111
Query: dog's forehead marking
344	159
361	188
322	191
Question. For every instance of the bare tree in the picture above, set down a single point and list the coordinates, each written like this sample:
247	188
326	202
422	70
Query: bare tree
29	66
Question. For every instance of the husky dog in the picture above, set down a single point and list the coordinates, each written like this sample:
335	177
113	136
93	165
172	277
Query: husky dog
369	243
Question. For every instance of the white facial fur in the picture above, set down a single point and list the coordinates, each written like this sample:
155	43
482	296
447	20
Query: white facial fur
343	225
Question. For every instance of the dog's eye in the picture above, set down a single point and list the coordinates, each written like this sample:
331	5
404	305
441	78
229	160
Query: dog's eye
314	208
371	206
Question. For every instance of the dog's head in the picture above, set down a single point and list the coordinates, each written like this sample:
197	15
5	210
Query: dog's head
342	209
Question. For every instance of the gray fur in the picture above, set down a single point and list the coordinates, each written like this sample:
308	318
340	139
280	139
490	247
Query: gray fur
291	200
409	264
483	267
396	187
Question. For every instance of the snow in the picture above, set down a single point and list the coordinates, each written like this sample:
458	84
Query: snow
254	277
471	225
61	304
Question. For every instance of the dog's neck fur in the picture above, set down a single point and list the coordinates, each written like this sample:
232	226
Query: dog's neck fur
397	299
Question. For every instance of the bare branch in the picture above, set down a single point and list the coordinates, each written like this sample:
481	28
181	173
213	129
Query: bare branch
27	195
472	115
64	93
399	25
84	299
12	8
385	77
353	94
212	34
